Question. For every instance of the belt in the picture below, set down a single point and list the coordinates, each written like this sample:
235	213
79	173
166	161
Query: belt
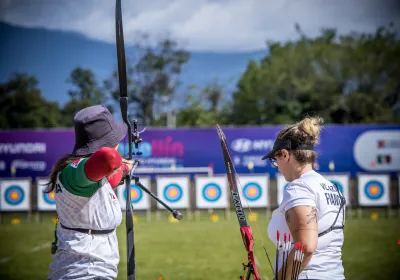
89	231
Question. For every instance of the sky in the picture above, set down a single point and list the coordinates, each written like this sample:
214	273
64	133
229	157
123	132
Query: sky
221	34
203	25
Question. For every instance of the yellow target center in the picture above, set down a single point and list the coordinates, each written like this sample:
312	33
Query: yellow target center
212	192
374	190
51	195
173	192
14	195
252	191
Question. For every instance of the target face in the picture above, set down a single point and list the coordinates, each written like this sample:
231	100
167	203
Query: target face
211	192
14	195
173	192
252	191
374	190
49	198
340	187
136	194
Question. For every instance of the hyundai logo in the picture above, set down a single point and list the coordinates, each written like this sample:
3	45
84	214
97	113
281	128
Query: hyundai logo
244	145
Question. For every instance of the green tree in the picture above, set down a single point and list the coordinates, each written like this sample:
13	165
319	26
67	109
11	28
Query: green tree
23	106
86	92
204	107
153	75
344	79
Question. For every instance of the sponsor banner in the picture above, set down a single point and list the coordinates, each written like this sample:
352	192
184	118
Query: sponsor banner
174	191
281	184
254	190
15	194
352	148
211	192
342	182
373	189
45	201
378	150
140	199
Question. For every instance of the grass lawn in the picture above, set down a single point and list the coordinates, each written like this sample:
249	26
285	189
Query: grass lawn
201	249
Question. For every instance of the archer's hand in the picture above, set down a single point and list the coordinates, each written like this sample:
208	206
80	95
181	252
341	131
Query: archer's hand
128	163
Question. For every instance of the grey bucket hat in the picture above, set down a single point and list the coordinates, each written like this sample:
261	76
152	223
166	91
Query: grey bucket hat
95	128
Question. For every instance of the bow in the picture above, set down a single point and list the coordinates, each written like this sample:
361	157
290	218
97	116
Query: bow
245	229
135	138
123	101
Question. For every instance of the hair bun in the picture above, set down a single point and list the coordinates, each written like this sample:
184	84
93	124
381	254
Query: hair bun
312	127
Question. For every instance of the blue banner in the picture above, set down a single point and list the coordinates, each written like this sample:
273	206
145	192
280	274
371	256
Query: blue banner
348	148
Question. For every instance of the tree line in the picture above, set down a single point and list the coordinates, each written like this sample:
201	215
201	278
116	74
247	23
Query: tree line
352	78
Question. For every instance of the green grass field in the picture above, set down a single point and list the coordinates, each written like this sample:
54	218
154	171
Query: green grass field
200	249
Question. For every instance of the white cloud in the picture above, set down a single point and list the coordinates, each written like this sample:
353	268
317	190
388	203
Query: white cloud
204	25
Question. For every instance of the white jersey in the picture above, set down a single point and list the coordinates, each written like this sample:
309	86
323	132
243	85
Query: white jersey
80	255
313	189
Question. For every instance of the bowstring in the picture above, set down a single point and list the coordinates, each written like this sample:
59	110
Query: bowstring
248	206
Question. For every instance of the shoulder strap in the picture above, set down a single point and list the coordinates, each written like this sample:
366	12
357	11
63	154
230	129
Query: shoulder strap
342	207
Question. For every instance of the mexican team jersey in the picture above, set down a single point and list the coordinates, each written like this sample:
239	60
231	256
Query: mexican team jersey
312	189
81	203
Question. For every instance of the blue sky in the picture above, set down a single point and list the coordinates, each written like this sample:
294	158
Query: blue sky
49	38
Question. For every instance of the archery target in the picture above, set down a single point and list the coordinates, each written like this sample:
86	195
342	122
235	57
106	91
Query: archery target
281	185
15	195
174	191
253	190
50	198
136	194
139	199
373	190
45	201
342	182
211	192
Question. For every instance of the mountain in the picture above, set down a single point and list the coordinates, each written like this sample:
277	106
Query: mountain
51	55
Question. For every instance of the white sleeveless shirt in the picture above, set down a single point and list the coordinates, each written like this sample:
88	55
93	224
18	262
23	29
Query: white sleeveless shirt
80	255
312	189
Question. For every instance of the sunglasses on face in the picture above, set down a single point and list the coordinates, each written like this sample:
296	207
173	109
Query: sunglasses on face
273	159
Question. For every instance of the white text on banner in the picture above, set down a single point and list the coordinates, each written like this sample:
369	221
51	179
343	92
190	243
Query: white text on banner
211	192
174	191
45	201
140	199
254	190
342	182
15	194
373	189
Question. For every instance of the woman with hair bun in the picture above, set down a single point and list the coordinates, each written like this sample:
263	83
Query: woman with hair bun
312	208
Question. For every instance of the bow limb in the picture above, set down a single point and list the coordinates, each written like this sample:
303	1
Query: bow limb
247	235
123	89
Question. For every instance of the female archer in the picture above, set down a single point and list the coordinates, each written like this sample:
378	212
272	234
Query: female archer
307	210
87	208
